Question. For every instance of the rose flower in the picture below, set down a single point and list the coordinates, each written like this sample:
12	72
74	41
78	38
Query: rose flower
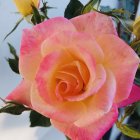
25	6
77	72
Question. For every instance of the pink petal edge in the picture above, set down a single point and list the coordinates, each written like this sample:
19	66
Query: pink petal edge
122	61
32	40
133	97
94	131
21	94
94	23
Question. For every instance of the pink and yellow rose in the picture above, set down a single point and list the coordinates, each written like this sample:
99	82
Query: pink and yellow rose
76	72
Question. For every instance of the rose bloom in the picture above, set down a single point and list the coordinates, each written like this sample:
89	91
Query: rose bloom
78	73
24	6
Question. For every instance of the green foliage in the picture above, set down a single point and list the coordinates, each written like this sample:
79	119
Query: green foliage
13	108
13	62
36	19
129	110
122	16
105	9
74	8
68	138
44	9
125	128
37	119
13	65
136	46
128	130
138	108
39	15
91	5
17	24
137	77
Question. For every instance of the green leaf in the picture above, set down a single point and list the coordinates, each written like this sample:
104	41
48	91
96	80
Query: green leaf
18	22
74	8
138	108
37	119
129	110
68	138
128	130
126	24
137	76
44	9
12	50
36	15
13	62
125	128
121	15
137	81
13	108
90	5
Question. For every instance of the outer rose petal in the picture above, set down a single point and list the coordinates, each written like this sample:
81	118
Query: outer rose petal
122	61
133	97
100	103
94	131
30	54
21	94
94	24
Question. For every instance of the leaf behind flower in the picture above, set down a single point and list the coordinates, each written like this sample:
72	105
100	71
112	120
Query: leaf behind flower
73	9
37	119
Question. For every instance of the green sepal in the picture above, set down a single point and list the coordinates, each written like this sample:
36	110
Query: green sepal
73	9
36	19
68	138
13	62
13	108
44	9
37	119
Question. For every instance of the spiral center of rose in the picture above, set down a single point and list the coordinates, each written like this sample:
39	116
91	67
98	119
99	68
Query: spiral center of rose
71	80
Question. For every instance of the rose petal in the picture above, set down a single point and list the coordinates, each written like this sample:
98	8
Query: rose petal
133	97
94	131
93	85
30	54
46	74
123	62
21	94
72	78
94	24
66	40
66	112
87	52
100	103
